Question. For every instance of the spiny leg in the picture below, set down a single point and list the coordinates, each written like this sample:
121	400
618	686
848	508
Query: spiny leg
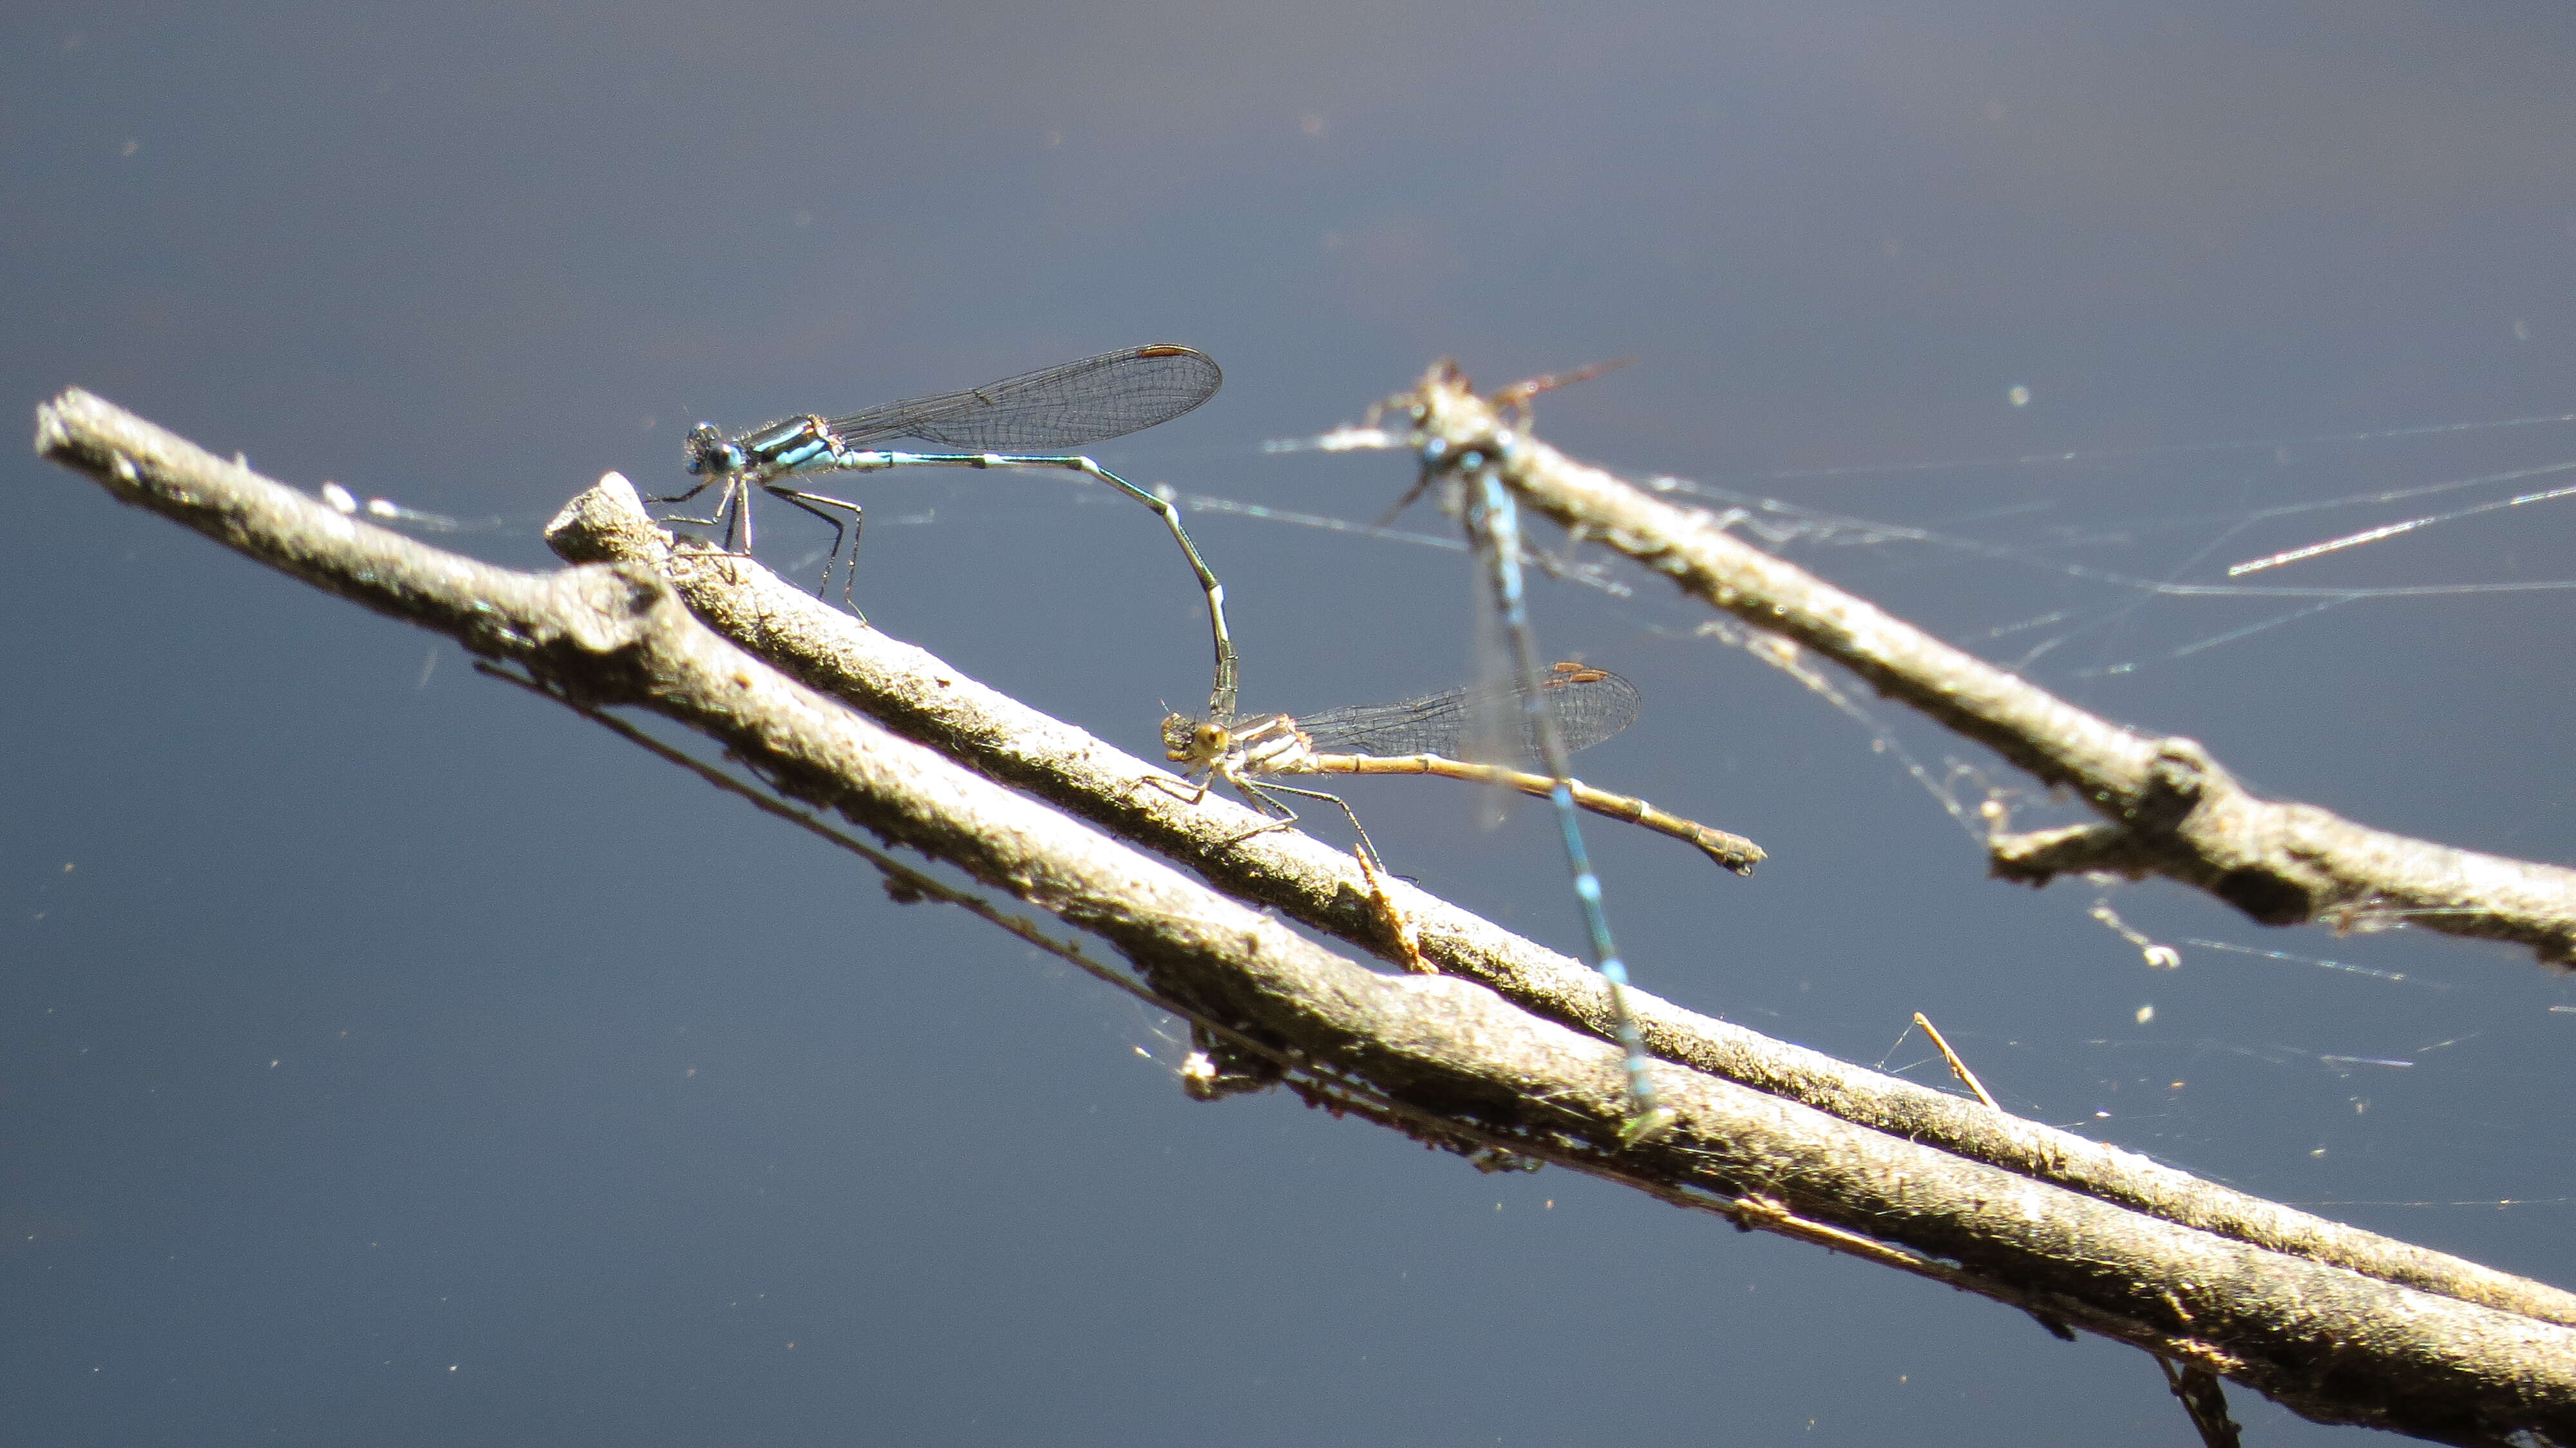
1263	802
702	486
815	503
723	510
1407	935
1192	791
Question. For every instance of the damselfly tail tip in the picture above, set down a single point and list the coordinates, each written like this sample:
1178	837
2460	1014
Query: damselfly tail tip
1733	853
1648	1124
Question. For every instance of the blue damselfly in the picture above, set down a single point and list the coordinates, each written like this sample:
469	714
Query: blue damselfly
1068	405
1470	472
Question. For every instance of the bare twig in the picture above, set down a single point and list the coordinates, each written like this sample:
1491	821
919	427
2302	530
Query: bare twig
2327	1342
2168	808
1958	1067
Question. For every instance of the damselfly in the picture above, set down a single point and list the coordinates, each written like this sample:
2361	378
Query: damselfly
1427	736
1471	475
1091	400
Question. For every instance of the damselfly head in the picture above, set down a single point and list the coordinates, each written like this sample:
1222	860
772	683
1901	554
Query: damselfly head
1194	742
706	451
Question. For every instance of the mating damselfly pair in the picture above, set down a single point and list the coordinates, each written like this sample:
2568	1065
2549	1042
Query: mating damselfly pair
1559	710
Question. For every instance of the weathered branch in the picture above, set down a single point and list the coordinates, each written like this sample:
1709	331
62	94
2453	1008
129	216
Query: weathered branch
2170	809
2328	1342
917	695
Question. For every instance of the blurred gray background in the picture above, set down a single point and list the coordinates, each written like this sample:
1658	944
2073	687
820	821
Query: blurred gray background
387	1057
